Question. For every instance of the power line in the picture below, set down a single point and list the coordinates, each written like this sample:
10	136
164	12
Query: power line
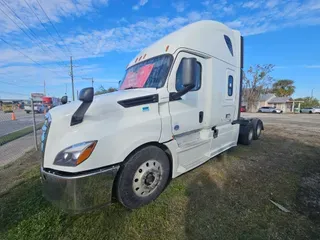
27	56
32	33
24	94
42	24
54	27
11	84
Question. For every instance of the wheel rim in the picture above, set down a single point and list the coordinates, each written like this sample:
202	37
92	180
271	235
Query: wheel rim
258	130
147	178
250	135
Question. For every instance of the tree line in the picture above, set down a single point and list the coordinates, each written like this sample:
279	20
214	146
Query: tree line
257	80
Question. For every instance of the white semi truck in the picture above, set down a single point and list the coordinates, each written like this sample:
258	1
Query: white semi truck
178	106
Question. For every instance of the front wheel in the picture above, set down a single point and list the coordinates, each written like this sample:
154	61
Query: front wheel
143	177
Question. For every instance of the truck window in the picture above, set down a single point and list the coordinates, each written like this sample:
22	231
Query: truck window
230	86
229	44
179	85
151	73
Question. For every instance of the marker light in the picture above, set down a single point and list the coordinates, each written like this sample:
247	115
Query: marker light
75	154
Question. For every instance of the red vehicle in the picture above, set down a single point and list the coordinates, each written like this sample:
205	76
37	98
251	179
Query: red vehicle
243	109
50	101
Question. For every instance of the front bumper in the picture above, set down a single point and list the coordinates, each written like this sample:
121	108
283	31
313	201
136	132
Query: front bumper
81	192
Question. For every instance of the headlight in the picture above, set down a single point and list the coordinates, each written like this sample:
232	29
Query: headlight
75	154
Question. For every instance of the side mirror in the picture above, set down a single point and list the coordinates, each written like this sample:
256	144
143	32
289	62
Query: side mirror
188	68
86	95
188	74
64	99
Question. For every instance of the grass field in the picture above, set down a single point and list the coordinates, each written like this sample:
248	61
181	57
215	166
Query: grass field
17	134
226	198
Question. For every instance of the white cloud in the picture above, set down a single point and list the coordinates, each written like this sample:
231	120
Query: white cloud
128	36
139	4
272	3
234	24
180	6
56	10
312	66
252	4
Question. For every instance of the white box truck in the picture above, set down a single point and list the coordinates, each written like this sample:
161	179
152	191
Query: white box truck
178	106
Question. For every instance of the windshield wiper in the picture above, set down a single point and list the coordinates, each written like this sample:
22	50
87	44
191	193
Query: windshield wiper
130	88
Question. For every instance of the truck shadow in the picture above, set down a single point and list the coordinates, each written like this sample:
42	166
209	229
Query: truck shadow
230	197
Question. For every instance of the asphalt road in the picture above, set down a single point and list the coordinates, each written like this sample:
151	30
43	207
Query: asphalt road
22	120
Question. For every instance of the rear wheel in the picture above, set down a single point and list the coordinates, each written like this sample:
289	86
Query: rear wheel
259	111
246	134
143	177
257	128
310	112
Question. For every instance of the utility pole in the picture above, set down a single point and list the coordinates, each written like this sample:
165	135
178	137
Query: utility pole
89	79
312	92
44	87
71	75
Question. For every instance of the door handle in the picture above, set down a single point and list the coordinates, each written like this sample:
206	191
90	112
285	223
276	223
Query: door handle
200	117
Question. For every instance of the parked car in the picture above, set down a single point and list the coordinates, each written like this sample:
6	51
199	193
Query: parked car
7	107
310	110
38	108
269	110
317	110
42	108
243	109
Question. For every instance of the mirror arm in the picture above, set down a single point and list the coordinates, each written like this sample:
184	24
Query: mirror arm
177	95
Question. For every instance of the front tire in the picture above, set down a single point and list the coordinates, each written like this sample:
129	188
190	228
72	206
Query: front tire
143	177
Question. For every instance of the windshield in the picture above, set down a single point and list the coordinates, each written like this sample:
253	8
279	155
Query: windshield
151	73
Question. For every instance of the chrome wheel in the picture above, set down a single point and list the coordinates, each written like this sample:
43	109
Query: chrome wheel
147	178
258	130
250	136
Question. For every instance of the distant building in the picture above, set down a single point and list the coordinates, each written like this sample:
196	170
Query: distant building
286	104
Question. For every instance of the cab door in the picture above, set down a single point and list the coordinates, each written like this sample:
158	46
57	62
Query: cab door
187	113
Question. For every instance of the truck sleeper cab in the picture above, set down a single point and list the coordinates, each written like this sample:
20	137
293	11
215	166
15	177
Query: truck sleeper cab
178	106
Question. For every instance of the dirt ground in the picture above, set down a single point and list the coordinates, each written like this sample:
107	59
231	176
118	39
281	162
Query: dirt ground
305	129
226	198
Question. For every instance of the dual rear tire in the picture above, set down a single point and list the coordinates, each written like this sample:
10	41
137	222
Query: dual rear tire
250	131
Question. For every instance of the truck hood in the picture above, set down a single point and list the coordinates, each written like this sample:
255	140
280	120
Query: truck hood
107	122
102	104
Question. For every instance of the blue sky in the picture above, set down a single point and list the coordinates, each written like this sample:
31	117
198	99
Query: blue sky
104	35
